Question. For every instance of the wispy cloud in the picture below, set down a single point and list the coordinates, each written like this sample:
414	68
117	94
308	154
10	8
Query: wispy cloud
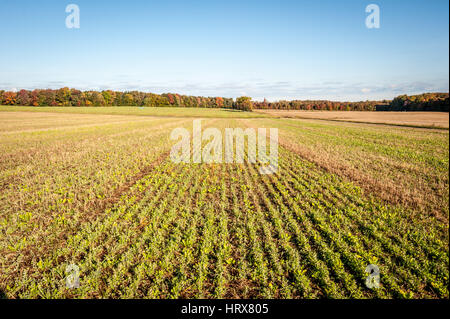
258	89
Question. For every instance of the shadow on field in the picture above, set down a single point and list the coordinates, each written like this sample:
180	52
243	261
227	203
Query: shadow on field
3	295
233	110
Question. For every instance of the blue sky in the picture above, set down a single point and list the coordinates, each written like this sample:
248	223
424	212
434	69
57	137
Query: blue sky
274	49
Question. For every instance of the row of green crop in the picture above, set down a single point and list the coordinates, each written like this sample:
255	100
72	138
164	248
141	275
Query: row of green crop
43	209
361	218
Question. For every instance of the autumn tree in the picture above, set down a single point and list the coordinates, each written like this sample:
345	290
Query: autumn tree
23	98
97	99
244	103
63	96
76	97
108	97
170	98
127	99
219	102
9	98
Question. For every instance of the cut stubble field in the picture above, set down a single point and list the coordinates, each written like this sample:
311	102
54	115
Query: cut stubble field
101	192
412	119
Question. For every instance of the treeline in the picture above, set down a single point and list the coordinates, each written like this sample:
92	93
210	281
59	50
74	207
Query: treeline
438	102
73	97
319	105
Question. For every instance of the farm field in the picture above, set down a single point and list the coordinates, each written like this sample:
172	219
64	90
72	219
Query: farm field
419	119
98	189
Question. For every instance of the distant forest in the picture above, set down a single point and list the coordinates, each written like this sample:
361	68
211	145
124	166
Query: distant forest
73	97
438	102
422	102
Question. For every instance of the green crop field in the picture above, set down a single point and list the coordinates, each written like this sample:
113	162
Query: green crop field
96	187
